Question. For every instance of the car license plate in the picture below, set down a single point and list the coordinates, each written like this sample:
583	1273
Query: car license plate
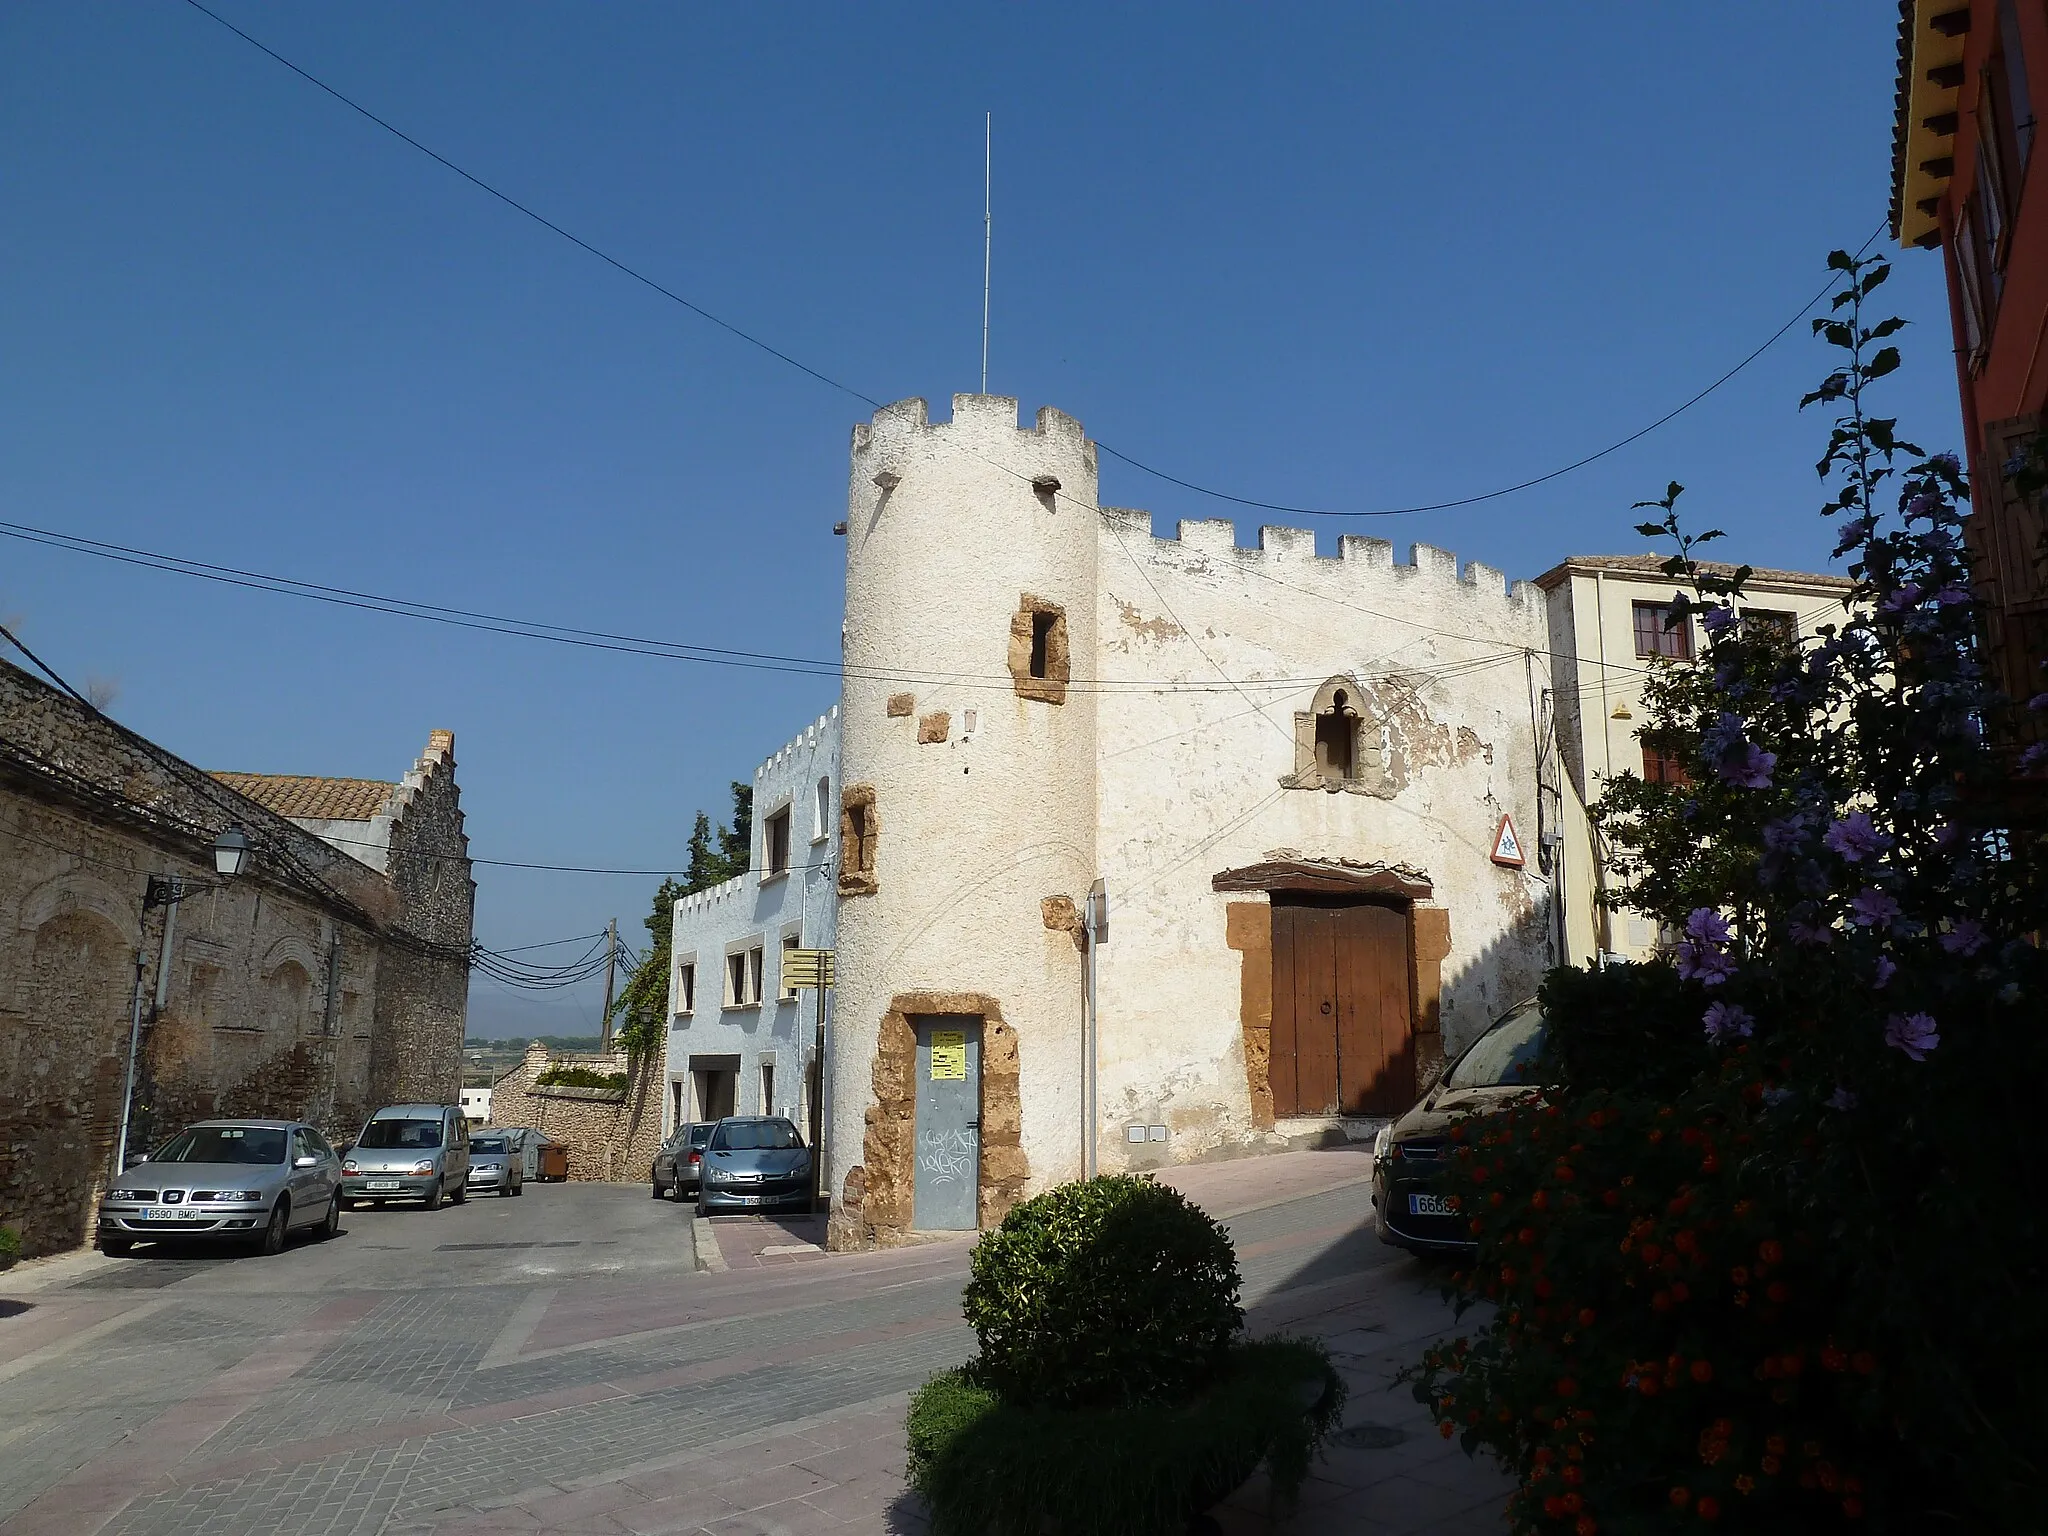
381	1184
157	1213
1431	1205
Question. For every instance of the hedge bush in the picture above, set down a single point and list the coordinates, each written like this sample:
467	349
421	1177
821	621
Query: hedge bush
990	1468
1098	1294
582	1077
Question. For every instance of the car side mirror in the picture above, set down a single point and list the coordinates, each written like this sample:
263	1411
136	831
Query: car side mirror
305	1162
134	1158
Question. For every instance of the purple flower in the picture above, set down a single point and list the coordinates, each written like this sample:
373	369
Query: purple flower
1873	908
2034	757
1810	934
2038	701
1947	463
1913	1033
1706	926
1785	834
1727	1021
1717	618
1945	833
1902	598
1886	970
1854	838
1708	967
1953	595
1749	769
1841	1098
1965	938
2016	463
1853	532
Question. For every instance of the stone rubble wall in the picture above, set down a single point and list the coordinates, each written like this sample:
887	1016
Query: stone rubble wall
611	1136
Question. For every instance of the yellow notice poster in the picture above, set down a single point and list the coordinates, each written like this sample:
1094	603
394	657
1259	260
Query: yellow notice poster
949	1056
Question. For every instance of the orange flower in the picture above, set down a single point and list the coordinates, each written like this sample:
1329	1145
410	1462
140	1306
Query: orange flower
1447	1429
1771	1464
1680	1497
1853	1508
1739	1274
1586	1317
1744	1483
1709	1507
1771	1251
1586	1526
1703	1370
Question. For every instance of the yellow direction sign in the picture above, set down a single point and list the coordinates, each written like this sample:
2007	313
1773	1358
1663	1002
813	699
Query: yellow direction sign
949	1056
808	968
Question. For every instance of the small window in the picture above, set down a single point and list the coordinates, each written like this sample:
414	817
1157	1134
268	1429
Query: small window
1662	767
675	1102
1771	623
767	1087
858	830
1337	738
776	842
736	979
754	974
686	987
821	821
1655	636
789	943
1041	638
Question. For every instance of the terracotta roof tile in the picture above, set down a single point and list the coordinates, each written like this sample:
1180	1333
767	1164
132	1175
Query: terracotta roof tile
1653	565
311	799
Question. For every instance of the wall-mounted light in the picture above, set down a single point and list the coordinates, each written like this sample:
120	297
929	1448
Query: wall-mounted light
888	480
1621	712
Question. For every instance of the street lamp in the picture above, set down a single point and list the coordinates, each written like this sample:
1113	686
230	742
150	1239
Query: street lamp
231	852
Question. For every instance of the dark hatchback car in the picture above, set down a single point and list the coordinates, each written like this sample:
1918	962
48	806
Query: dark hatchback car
1409	1158
680	1160
759	1163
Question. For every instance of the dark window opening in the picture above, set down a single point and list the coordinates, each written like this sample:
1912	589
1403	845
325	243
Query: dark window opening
686	989
778	842
857	838
1041	639
1657	636
1771	623
1336	738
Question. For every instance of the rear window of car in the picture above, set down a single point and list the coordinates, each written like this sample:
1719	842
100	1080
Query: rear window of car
401	1133
1505	1056
754	1136
256	1145
700	1135
488	1144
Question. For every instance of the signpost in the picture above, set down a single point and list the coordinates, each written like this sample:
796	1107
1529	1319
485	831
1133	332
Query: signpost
815	969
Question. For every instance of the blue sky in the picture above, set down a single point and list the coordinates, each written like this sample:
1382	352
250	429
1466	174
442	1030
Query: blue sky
1361	255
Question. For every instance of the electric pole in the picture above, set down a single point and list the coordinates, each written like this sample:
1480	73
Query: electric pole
611	971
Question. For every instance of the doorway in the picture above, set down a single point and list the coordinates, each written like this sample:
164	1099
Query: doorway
1343	1038
947	1187
715	1086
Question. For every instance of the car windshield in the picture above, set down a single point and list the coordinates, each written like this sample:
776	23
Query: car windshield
1505	1056
401	1133
754	1136
255	1144
487	1144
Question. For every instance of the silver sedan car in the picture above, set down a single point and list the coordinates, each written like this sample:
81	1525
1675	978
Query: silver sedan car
249	1181
496	1166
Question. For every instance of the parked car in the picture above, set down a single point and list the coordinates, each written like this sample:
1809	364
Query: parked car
497	1166
250	1181
1409	1157
680	1160
409	1152
754	1163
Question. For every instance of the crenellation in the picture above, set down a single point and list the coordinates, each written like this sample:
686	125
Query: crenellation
1429	561
1208	536
1287	543
1374	554
1484	577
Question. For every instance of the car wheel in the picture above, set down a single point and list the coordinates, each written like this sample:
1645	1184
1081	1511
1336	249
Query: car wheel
117	1247
272	1240
658	1191
433	1200
332	1223
519	1188
344	1202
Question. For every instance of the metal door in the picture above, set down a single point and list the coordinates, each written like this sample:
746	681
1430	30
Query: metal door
948	1180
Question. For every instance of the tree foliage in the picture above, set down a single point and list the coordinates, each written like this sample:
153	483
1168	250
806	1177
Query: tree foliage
1790	1274
715	856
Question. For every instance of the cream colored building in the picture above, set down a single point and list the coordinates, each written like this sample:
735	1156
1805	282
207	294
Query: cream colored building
1606	616
1321	792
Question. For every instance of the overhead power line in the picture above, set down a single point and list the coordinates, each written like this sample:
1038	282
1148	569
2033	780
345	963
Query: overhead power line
638	276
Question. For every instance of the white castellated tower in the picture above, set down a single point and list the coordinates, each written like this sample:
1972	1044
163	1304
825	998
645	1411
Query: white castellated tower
969	800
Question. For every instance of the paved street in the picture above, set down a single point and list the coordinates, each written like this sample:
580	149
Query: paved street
564	1363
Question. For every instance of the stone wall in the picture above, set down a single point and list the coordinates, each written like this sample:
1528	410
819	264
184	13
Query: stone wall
610	1135
274	991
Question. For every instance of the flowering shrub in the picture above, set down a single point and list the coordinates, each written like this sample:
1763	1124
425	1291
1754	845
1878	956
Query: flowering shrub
1794	1277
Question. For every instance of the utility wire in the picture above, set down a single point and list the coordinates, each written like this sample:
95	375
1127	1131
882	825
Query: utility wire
847	389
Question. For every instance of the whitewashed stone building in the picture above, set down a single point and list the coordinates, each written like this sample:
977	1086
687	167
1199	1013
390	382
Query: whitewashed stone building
1292	774
740	1041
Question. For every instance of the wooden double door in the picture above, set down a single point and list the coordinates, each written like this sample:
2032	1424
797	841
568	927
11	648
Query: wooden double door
1343	1038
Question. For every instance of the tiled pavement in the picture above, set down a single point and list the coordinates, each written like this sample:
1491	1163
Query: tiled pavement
764	1399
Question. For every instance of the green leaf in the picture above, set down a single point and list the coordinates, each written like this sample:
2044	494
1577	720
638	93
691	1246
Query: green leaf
1649	530
1711	533
1841	261
1882	364
1884	328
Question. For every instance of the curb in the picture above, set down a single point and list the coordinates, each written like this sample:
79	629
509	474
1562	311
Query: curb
706	1242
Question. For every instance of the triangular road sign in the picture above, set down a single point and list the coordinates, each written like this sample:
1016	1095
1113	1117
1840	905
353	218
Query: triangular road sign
1507	848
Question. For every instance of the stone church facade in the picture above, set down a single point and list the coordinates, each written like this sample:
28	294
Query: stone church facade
1291	772
329	978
